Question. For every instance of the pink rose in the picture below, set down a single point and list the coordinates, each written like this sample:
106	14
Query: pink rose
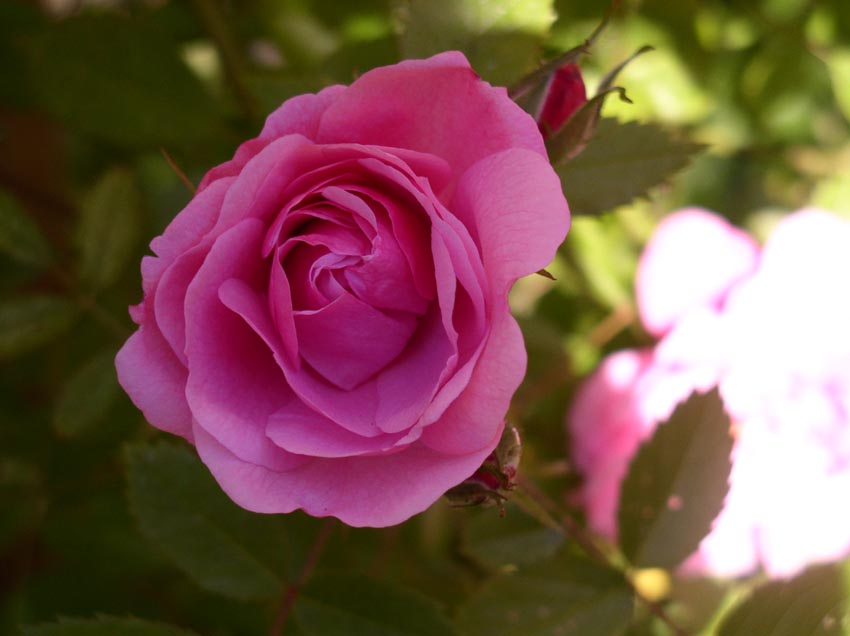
564	96
327	320
778	346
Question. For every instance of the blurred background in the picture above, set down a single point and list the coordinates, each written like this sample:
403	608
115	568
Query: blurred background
98	96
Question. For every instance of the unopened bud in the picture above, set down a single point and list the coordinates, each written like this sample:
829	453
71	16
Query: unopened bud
493	481
564	96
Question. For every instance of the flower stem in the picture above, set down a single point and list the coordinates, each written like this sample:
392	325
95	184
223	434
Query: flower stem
538	505
291	592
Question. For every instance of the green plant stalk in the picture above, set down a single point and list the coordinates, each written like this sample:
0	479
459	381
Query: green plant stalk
539	506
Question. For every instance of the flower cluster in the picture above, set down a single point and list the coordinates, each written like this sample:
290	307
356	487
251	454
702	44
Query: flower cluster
770	328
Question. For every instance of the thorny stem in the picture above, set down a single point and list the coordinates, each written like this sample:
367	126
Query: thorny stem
292	590
539	506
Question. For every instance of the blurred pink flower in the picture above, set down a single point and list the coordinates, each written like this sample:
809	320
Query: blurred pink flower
776	339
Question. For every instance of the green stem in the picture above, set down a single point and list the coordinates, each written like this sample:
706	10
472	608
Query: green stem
539	506
291	592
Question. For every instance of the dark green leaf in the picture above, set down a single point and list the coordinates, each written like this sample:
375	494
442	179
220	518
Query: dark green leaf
676	484
567	595
182	511
20	237
28	323
815	603
86	396
359	606
108	228
623	161
501	38
515	539
103	626
122	81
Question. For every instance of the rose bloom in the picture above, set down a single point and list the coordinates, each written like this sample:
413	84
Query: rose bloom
327	319
770	327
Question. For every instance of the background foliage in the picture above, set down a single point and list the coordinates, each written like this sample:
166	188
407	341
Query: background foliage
100	515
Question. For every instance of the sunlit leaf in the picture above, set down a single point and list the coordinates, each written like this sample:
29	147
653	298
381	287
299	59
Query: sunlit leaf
501	38
623	161
676	484
815	603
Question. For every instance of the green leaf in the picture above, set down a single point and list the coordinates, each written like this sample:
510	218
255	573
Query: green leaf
108	228
623	161
567	595
515	539
676	484
86	396
20	237
815	603
103	626
501	38
121	80
353	605
28	323
182	511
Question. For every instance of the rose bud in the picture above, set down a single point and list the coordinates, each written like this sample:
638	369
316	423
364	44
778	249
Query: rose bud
496	477
565	95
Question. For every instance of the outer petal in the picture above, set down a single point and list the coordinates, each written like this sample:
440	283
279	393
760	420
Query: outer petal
438	106
373	491
514	207
692	261
299	115
478	413
155	380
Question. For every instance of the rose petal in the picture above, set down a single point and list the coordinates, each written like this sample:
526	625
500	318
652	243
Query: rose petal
168	300
374	491
155	380
438	106
349	341
468	424
186	231
514	208
301	430
299	115
234	382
